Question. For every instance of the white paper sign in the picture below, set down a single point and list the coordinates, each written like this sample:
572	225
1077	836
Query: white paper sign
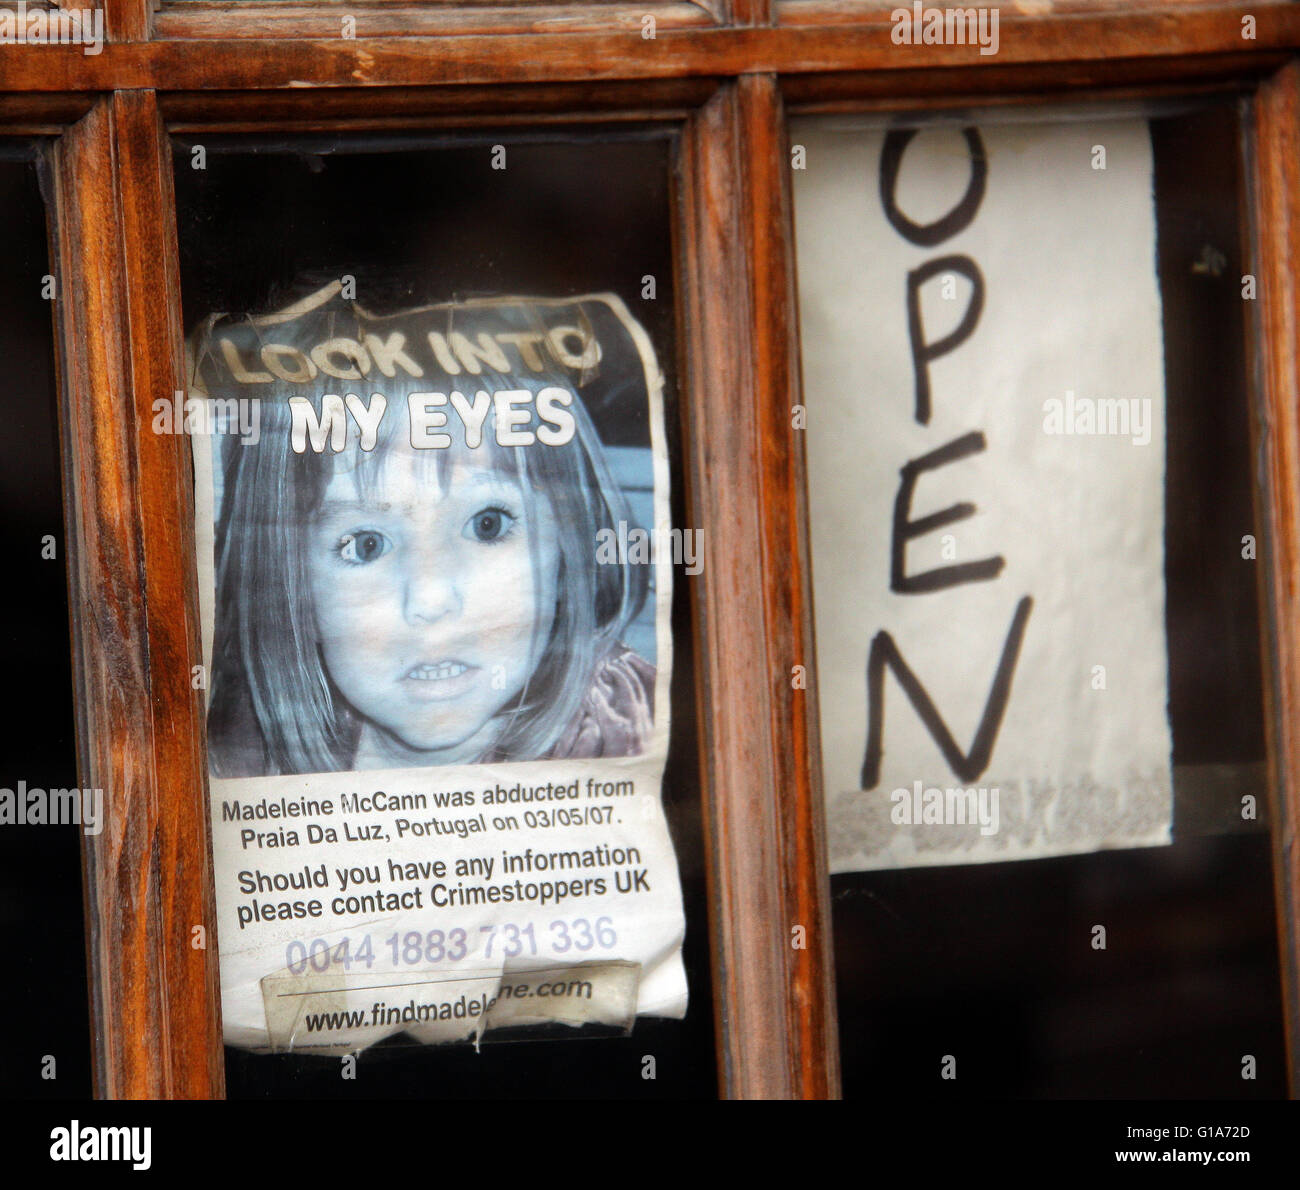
983	370
435	602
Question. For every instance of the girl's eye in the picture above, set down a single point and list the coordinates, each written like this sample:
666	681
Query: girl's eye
489	524
359	548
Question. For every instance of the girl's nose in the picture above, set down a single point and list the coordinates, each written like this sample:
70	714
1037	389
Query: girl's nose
431	593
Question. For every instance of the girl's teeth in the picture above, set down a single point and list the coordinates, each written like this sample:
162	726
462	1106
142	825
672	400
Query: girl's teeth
436	673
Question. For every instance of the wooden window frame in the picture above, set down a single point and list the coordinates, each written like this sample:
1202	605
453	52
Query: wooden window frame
726	72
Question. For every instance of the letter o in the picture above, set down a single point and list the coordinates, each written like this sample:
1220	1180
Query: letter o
349	348
929	234
302	369
589	355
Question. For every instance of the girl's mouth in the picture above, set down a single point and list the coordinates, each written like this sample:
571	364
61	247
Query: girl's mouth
436	673
439	681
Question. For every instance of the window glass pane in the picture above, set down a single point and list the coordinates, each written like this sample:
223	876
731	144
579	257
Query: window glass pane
1036	596
44	996
463	630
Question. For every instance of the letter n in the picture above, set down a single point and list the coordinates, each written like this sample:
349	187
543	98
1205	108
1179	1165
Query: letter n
967	766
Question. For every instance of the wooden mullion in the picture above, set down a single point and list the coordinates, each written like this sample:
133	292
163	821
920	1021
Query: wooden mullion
1145	44
831	12
768	216
1277	242
126	20
148	878
110	653
276	19
741	830
41	115
776	1033
1099	82
419	107
752	12
147	208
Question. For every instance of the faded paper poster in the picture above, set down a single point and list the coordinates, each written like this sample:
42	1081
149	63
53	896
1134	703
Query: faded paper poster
436	627
983	370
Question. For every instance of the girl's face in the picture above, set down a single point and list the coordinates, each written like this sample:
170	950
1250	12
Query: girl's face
433	603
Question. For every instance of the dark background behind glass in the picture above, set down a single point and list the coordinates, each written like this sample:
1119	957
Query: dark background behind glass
43	994
994	963
418	221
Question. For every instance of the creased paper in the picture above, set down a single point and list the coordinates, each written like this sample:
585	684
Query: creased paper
985	447
435	565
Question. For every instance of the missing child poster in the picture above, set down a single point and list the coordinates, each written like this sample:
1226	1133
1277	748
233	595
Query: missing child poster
984	384
436	633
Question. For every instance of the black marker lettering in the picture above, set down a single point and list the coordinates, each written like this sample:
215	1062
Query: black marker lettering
929	234
967	766
923	352
904	530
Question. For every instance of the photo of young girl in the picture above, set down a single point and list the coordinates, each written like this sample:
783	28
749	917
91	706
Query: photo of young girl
389	605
